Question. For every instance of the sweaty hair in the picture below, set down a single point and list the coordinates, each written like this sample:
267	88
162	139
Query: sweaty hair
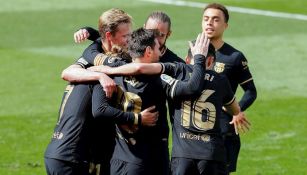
140	39
219	7
161	17
111	19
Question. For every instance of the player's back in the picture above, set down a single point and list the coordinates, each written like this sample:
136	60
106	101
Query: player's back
137	93
71	134
196	129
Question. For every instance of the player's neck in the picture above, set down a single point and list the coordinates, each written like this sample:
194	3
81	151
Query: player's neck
217	43
106	46
163	50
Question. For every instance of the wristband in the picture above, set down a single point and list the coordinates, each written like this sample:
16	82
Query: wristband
139	119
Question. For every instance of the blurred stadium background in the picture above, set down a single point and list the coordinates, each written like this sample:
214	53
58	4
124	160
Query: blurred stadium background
36	44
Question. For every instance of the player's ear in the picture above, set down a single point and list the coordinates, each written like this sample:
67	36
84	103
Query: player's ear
226	26
148	51
169	33
108	35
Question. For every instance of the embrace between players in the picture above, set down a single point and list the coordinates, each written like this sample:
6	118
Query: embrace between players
113	115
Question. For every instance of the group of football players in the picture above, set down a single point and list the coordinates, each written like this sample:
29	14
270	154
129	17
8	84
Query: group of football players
113	115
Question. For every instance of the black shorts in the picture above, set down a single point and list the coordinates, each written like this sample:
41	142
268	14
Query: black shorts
232	145
121	167
160	162
59	167
185	166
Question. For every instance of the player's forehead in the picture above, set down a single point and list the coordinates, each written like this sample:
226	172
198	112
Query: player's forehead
152	23
211	13
124	28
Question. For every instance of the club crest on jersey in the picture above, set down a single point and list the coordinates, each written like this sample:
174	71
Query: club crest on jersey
167	79
219	67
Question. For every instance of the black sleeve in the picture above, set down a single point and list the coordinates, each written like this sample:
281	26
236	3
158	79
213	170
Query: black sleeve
170	69
94	34
249	96
193	86
101	108
93	54
224	86
196	82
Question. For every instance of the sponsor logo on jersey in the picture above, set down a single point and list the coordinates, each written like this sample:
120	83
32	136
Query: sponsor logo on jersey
57	135
219	67
167	79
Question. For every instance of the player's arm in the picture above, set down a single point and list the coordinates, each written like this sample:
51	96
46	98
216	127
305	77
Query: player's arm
76	74
102	109
195	84
246	82
86	33
176	88
131	69
239	120
249	96
231	106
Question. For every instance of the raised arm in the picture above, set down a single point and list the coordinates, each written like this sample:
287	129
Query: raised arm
196	82
85	33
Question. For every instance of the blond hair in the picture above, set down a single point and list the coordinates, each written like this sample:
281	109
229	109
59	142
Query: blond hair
111	19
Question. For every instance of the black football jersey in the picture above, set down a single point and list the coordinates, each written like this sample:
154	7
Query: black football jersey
196	130
71	137
233	64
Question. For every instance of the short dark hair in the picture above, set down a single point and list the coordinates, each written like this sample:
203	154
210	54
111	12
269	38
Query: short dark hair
219	7
140	39
160	16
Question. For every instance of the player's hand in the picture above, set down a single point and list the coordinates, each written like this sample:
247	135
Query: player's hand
108	84
81	35
240	122
101	68
149	116
201	45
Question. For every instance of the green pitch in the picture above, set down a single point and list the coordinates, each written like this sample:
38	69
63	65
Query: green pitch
36	44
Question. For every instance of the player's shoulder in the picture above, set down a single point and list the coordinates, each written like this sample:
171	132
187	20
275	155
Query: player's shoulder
170	56
231	52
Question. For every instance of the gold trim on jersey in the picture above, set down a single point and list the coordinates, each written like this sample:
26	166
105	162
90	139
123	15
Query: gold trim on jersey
99	59
230	102
68	91
246	81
